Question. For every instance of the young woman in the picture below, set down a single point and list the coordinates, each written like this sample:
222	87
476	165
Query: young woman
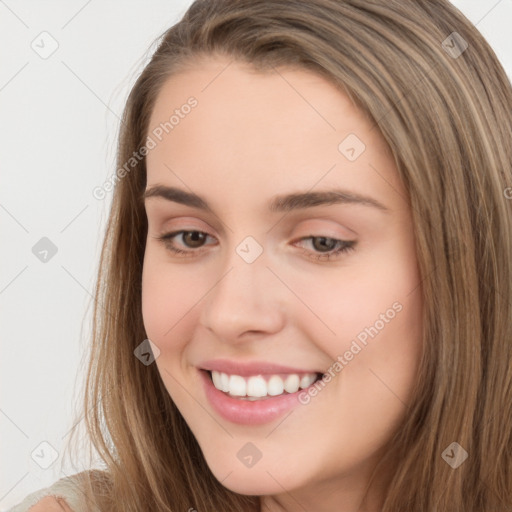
304	301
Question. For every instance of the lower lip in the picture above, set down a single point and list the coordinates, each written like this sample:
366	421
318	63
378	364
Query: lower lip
246	412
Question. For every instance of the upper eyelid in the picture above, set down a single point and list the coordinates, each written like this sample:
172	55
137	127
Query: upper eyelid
160	218
322	231
222	229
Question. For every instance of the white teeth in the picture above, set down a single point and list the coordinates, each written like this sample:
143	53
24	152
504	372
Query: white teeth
258	386
216	377
237	385
275	386
224	382
307	380
291	384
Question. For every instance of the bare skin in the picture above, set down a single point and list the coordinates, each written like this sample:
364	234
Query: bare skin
253	136
51	504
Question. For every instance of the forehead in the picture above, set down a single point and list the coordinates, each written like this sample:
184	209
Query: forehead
230	92
265	130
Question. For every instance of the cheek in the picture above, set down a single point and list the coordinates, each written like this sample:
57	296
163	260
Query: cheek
375	311
368	300
168	300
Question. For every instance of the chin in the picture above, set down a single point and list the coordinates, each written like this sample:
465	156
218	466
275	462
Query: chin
252	484
264	478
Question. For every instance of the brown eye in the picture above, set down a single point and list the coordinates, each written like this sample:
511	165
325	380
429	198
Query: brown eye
323	248
324	244
194	239
185	243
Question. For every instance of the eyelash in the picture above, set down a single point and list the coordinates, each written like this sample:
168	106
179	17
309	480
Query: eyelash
344	246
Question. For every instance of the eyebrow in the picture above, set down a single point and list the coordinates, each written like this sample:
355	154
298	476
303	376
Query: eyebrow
281	203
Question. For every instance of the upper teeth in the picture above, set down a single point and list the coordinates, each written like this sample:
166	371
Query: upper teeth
260	386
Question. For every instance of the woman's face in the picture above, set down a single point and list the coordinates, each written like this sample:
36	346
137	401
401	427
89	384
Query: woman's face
298	259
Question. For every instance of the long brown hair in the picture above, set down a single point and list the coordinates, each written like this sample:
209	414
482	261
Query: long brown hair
443	103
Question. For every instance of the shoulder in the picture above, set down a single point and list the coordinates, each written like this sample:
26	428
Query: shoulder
51	504
65	495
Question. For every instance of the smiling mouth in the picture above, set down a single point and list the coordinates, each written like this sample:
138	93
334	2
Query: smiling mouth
261	387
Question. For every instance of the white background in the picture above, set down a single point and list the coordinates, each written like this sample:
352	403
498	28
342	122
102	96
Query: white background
59	123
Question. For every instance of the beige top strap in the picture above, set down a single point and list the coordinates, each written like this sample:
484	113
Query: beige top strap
67	488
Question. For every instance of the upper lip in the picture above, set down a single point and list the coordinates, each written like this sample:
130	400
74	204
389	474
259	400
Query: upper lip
246	369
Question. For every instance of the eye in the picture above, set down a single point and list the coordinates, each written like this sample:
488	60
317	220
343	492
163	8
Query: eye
324	248
189	239
327	248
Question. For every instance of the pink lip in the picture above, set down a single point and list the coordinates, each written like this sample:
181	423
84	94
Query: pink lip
246	412
248	369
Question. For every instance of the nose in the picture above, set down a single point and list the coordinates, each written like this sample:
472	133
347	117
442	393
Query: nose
247	300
